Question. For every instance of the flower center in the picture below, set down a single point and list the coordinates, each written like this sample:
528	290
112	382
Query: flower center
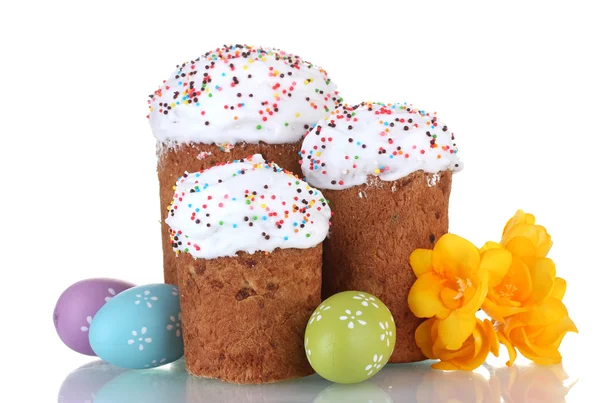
462	287
508	291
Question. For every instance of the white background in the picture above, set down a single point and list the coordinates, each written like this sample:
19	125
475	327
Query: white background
516	81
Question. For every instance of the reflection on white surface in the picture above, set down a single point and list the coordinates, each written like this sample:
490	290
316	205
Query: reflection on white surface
167	384
82	384
533	384
361	393
419	383
212	390
99	382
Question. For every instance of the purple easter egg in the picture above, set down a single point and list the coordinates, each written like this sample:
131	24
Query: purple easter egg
78	305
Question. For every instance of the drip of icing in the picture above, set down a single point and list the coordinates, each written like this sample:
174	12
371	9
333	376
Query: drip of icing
245	206
390	141
241	94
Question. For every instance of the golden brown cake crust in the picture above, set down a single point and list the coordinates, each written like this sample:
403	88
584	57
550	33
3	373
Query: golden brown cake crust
174	161
374	229
244	317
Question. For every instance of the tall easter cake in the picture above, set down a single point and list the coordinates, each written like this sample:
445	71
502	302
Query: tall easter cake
386	170
248	235
229	103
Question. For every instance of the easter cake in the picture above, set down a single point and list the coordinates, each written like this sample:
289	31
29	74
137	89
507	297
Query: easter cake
248	237
386	170
229	103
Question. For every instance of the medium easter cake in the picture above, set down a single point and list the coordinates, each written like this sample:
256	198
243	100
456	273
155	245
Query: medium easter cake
248	235
386	170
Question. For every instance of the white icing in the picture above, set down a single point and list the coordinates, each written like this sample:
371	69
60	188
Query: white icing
264	111
373	139
299	210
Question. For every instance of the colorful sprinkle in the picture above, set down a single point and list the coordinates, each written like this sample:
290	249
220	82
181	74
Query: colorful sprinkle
366	140
271	204
226	91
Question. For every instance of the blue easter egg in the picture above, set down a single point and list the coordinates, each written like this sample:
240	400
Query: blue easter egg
139	328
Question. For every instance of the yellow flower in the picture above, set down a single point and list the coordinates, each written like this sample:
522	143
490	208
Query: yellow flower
452	282
538	332
530	277
515	289
524	238
469	356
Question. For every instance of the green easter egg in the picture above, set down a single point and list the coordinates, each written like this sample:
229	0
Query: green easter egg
350	337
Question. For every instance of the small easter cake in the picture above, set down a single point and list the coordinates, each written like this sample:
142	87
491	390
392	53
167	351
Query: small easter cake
233	102
248	237
386	170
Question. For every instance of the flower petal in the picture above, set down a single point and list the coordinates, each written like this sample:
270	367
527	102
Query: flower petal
465	363
420	261
550	359
544	241
500	312
473	304
489	245
478	338
511	323
492	337
512	353
529	219
528	231
542	280
543	355
424	297
553	335
550	312
455	329
496	262
492	310
559	289
465	352
523	248
518	279
518	218
424	339
480	352
454	256
448	297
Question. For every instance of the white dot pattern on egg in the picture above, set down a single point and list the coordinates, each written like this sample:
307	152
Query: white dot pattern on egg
357	329
176	324
318	314
365	301
145	298
86	327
